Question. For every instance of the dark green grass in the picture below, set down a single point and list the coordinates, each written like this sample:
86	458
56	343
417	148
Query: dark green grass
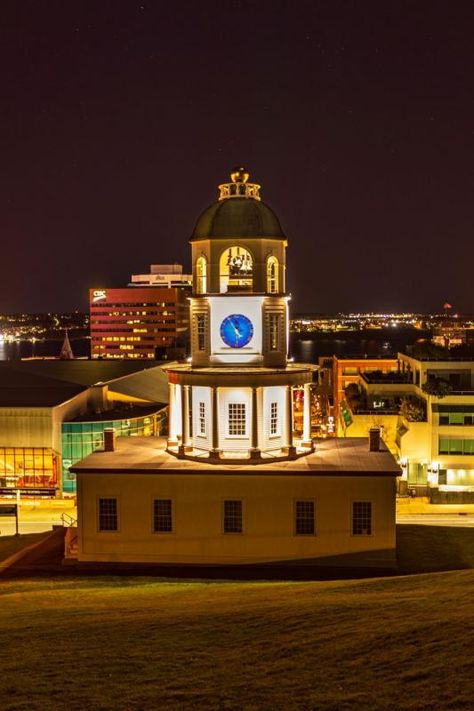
424	549
381	644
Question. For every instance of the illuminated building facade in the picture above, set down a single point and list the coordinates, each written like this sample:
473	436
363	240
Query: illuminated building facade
232	484
426	409
136	322
235	399
52	414
163	275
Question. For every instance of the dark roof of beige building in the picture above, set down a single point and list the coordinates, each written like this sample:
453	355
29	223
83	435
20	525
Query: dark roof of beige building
147	455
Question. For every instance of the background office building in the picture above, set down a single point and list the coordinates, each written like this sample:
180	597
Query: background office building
53	413
425	407
142	320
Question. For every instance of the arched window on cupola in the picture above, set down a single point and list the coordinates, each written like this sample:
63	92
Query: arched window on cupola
201	275
236	270
272	275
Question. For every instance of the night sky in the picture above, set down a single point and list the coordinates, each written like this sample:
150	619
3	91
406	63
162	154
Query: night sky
119	119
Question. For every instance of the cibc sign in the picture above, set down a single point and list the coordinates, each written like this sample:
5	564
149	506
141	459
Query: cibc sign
99	295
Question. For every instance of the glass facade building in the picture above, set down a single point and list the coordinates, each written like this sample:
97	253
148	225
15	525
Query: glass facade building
81	438
28	467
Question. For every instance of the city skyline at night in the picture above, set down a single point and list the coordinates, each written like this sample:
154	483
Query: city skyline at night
357	119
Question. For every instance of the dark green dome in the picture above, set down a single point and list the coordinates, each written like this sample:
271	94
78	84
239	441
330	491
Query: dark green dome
237	217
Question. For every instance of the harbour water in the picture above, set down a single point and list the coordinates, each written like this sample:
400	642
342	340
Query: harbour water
303	348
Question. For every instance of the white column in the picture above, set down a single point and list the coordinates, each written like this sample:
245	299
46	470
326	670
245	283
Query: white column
307	415
184	418
289	422
174	427
215	452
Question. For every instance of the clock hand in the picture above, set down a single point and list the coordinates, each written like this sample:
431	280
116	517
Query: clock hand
236	330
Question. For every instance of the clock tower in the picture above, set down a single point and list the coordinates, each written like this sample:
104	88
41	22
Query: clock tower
234	401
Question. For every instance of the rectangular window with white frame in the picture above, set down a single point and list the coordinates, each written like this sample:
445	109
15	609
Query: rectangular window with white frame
305	520
162	516
233	516
202	419
274	419
108	514
237	419
361	518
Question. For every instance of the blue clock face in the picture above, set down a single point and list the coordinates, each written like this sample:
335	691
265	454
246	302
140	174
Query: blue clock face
236	330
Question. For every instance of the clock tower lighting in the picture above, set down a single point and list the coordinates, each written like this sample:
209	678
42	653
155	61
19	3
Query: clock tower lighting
234	401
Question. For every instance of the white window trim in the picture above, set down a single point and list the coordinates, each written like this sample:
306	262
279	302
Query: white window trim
107	496
305	535
233	533
372	521
237	436
154	498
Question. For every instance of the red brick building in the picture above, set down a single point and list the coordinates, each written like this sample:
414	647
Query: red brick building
135	322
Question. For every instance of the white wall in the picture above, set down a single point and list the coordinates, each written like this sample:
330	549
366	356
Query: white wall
269	395
237	395
220	307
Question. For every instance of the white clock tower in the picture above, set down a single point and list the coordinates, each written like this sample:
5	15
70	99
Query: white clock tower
234	402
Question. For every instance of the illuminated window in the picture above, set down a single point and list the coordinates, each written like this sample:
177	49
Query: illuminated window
273	328
272	275
455	445
304	518
201	331
237	419
361	518
108	515
273	418
236	270
201	275
27	467
162	516
202	418
233	516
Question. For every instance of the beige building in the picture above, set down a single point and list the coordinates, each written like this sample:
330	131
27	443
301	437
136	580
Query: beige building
233	484
138	504
426	410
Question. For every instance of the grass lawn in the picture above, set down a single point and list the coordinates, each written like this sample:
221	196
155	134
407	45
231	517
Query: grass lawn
380	644
129	643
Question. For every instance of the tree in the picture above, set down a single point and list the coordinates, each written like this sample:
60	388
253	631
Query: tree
353	396
437	387
412	410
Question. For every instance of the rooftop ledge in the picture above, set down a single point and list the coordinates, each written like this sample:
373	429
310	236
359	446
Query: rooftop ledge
349	456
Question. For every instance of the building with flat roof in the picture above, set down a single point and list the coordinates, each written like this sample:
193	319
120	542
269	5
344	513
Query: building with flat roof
234	483
163	275
137	322
425	406
53	413
334	507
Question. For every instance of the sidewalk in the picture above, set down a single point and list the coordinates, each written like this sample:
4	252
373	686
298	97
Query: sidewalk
407	506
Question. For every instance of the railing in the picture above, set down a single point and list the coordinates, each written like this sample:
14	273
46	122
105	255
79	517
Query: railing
68	520
392	379
378	411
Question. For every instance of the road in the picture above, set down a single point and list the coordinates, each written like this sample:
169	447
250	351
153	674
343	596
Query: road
464	520
7	526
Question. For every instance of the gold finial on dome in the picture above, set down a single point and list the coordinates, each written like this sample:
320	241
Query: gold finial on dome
239	187
239	175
